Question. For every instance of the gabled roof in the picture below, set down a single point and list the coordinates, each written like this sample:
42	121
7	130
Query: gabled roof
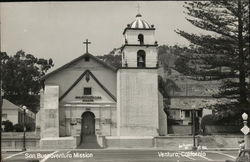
7	105
75	60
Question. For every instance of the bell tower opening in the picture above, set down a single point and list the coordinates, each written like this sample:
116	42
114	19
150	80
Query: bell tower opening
141	38
141	56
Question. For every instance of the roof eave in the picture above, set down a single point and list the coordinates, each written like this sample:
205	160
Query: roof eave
146	45
43	78
129	28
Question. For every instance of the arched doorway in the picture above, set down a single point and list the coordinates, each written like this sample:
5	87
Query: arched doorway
88	137
88	124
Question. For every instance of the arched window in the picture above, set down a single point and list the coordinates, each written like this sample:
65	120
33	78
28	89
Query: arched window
141	38
141	57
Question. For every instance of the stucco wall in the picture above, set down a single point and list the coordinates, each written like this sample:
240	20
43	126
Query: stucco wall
12	115
50	112
65	78
14	140
137	108
102	108
105	120
163	127
132	36
220	141
95	88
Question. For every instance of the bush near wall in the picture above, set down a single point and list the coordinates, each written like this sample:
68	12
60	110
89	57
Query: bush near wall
8	126
18	128
30	127
222	129
211	125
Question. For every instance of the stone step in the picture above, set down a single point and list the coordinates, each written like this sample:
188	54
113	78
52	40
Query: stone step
89	142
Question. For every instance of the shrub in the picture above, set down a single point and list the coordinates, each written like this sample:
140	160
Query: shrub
8	126
30	127
214	120
208	120
18	128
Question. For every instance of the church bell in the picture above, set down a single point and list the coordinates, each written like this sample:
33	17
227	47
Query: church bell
141	60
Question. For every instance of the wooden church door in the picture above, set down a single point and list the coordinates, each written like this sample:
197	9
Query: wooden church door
88	123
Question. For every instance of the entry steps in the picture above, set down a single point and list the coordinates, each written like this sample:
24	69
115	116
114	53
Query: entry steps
89	142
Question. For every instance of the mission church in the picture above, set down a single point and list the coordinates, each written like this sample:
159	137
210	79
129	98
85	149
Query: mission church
88	97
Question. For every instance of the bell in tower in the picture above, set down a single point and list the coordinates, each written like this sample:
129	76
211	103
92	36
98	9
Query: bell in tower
141	59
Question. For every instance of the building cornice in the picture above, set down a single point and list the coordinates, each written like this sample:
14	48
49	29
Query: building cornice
137	68
128	28
139	45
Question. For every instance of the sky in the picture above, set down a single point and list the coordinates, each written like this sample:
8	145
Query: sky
57	30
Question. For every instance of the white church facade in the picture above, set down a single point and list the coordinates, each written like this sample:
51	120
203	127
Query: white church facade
88	97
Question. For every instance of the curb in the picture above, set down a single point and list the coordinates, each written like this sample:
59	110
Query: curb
104	149
12	150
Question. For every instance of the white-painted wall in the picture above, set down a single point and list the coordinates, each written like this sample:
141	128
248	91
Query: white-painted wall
12	115
137	108
50	112
73	114
163	126
130	55
69	75
132	36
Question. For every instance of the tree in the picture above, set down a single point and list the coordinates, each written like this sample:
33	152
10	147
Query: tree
20	77
167	56
226	45
165	86
114	58
8	126
175	57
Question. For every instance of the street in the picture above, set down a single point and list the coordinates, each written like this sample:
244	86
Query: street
118	155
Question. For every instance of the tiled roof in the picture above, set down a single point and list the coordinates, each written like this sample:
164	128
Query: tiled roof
139	23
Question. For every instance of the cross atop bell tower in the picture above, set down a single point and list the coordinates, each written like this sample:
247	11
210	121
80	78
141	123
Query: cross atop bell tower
87	44
138	8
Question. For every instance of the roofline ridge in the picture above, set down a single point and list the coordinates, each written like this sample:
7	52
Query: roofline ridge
74	60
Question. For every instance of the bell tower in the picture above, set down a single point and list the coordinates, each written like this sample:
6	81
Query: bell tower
137	81
139	50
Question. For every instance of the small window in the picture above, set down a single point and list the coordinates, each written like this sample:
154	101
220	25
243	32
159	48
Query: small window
87	91
187	114
86	58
